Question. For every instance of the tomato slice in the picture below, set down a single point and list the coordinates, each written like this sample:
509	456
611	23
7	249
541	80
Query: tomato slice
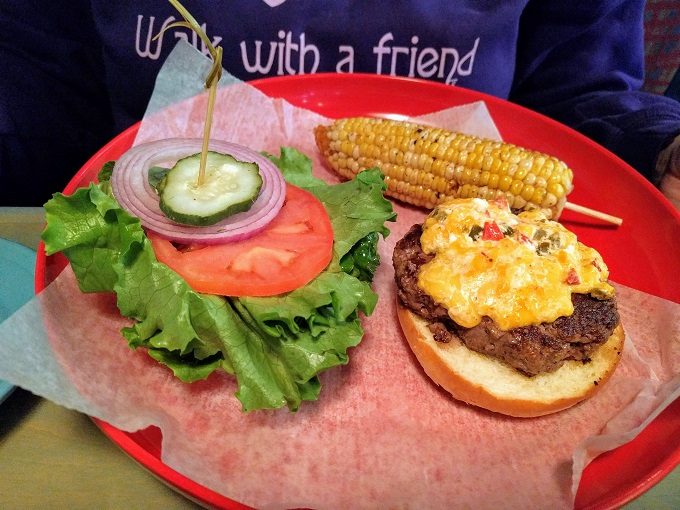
290	252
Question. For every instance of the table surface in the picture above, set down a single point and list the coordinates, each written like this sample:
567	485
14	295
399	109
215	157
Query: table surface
52	457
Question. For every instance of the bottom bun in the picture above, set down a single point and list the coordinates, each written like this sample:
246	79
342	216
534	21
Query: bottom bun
486	382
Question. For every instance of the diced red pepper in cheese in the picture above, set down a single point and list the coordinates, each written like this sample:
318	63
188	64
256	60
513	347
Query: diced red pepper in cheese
492	231
502	202
523	239
572	277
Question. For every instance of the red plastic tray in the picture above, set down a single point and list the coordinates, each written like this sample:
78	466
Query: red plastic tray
641	253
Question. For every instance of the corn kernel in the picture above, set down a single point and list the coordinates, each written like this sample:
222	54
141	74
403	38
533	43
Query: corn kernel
527	192
538	196
504	183
516	187
493	181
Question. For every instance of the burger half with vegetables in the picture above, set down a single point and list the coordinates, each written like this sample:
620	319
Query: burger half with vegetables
228	260
506	312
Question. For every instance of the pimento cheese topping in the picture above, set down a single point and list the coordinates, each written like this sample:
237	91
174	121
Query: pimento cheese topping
516	269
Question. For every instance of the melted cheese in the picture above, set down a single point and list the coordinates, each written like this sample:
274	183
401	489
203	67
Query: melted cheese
516	269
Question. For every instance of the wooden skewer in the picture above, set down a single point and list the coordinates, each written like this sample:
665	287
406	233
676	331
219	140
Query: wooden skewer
206	132
593	213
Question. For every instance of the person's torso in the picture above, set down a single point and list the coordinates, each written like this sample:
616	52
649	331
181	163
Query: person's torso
467	43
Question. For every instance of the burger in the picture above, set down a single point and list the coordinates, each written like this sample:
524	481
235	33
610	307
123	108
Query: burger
507	312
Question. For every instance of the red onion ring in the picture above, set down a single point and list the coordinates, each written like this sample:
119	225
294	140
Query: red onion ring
131	188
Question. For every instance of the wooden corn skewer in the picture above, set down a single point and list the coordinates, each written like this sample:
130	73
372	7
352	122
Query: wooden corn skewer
593	213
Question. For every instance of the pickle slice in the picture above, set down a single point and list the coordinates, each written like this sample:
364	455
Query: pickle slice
230	186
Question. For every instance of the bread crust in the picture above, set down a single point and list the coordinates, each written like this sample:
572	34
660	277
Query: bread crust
486	382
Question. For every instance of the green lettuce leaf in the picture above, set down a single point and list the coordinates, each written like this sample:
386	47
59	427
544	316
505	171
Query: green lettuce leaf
93	232
275	346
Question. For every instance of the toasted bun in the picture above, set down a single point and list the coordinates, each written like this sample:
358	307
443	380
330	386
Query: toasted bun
487	382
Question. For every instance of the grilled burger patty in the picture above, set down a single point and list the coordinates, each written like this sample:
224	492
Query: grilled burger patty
530	349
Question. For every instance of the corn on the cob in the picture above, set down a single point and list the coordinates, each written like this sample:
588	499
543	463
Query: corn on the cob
424	165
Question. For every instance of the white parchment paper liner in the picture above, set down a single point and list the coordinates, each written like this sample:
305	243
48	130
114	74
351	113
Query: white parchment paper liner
381	435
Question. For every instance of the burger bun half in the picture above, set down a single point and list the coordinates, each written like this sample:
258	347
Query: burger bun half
486	382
